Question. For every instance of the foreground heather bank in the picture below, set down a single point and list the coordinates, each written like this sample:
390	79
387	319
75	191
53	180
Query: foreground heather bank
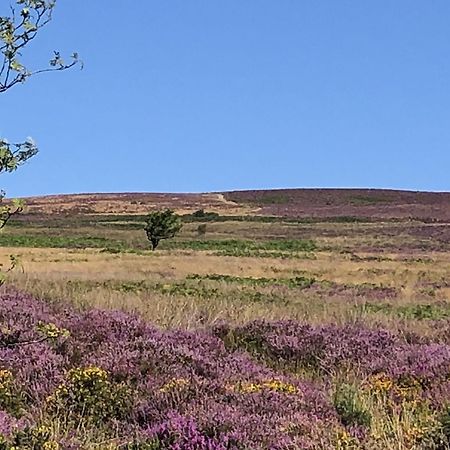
102	379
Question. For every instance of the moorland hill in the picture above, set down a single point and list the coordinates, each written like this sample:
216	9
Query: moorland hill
319	203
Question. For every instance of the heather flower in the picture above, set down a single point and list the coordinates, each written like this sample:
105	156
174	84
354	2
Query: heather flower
8	425
225	388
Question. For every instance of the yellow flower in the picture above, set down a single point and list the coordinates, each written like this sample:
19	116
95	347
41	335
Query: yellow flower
279	386
6	379
270	385
79	381
344	441
380	383
407	388
41	430
176	383
249	388
414	434
87	373
51	331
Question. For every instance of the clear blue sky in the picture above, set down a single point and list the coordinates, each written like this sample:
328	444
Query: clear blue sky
209	95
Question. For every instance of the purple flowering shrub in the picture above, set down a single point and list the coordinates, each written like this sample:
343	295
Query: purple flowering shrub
331	349
230	388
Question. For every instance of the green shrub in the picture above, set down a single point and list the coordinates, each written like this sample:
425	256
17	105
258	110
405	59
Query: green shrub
162	225
287	245
247	253
11	400
88	393
444	421
46	241
415	312
201	216
296	282
349	407
37	437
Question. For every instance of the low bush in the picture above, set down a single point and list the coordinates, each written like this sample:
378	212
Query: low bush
296	282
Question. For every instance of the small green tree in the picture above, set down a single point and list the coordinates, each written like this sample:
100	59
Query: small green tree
162	225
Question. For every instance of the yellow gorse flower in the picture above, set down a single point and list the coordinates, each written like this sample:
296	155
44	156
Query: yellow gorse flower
344	441
51	331
271	385
41	431
380	383
6	379
414	434
89	392
87	373
81	381
405	389
175	384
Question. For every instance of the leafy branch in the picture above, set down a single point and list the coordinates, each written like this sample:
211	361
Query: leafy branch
48	331
11	157
18	30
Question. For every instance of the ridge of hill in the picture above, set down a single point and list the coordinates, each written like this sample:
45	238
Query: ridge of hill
315	203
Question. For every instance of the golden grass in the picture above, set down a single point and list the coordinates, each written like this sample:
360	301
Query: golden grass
51	273
135	203
93	264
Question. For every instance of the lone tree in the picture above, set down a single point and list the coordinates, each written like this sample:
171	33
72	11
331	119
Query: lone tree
162	225
24	21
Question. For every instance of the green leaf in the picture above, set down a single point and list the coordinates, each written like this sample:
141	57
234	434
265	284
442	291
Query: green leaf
16	66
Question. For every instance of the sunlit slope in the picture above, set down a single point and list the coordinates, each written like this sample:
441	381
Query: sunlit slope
321	203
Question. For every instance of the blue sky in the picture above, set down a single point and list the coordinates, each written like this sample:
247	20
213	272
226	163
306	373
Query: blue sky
209	95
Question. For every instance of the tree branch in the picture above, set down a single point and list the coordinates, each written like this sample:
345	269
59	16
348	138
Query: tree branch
16	33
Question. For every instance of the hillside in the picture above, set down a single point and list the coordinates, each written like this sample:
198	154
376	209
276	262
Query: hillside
319	203
375	203
133	203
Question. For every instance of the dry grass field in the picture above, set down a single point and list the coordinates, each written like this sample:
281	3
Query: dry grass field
368	272
158	285
362	271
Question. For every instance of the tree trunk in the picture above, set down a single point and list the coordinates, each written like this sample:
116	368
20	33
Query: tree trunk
155	243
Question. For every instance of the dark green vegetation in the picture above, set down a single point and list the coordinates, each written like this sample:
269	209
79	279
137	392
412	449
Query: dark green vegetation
162	225
42	241
137	221
297	282
231	236
233	246
427	311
